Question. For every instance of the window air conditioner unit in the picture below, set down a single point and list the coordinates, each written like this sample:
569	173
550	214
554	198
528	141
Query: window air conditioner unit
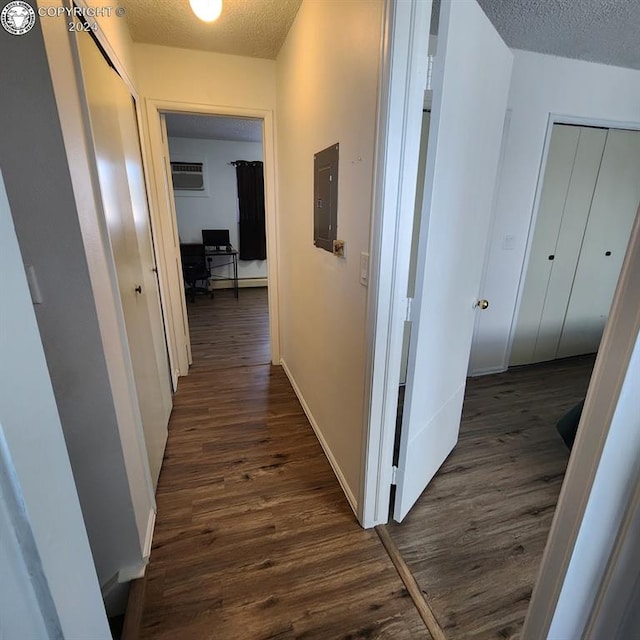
187	176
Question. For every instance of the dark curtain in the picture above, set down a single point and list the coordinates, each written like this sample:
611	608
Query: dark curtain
253	242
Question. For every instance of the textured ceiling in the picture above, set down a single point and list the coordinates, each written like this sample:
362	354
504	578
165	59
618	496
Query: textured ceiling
606	31
255	28
214	127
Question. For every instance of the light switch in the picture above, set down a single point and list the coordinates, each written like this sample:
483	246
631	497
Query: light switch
364	268
509	243
32	281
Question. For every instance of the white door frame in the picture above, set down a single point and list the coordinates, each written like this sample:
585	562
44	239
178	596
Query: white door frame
165	223
554	118
398	133
403	75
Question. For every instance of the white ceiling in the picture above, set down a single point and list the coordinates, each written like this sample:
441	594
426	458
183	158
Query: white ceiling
214	127
255	28
605	31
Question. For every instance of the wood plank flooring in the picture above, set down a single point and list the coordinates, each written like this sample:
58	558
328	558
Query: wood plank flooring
475	538
228	332
254	538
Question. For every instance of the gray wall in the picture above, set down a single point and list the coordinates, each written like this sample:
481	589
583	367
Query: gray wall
49	587
34	164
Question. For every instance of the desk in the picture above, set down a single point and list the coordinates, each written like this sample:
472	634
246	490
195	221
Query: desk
209	254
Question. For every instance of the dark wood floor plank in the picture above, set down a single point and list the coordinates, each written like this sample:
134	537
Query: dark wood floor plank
475	538
254	538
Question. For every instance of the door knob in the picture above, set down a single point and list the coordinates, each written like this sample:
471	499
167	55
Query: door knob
483	304
138	289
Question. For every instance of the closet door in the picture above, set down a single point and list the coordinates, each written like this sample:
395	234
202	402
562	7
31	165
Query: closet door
569	183
127	224
615	203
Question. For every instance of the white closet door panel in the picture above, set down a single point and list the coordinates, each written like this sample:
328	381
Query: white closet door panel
560	160
109	101
574	220
151	292
615	203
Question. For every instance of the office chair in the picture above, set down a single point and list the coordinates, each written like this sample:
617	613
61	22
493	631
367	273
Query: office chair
194	269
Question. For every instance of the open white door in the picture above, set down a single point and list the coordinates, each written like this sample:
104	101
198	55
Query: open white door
471	77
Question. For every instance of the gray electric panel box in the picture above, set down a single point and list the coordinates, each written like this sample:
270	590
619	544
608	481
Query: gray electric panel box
325	197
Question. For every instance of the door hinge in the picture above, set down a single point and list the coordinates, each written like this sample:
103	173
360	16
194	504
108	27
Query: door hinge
394	473
408	310
429	72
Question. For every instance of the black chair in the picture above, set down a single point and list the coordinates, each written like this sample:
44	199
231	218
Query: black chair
194	269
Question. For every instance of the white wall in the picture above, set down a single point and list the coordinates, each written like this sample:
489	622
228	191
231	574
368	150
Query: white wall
48	576
541	85
217	208
172	80
168	73
327	75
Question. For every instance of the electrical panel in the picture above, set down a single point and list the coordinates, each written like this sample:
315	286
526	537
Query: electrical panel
325	197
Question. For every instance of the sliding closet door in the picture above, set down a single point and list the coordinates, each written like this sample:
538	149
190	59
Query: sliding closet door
127	223
613	211
569	183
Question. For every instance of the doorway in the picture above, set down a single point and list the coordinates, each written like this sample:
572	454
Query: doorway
475	539
168	234
217	177
428	381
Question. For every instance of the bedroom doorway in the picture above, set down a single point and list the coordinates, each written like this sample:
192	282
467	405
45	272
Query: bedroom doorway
501	484
217	179
214	135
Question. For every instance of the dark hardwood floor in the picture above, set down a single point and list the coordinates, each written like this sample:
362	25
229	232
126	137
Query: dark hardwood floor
254	538
475	538
227	332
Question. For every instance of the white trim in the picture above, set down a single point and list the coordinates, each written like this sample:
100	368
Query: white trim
102	38
166	247
601	403
487	250
323	443
133	571
554	118
23	533
487	372
400	101
148	539
165	234
615	597
243	283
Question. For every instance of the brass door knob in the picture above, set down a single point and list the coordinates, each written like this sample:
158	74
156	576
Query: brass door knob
483	304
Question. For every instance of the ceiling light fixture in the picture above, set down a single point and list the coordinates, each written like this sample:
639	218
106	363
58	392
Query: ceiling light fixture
206	10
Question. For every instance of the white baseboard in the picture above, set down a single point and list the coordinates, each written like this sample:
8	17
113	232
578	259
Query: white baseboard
323	443
133	571
148	539
487	372
242	283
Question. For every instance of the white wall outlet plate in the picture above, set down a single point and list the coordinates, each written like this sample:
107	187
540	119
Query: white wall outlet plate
364	268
